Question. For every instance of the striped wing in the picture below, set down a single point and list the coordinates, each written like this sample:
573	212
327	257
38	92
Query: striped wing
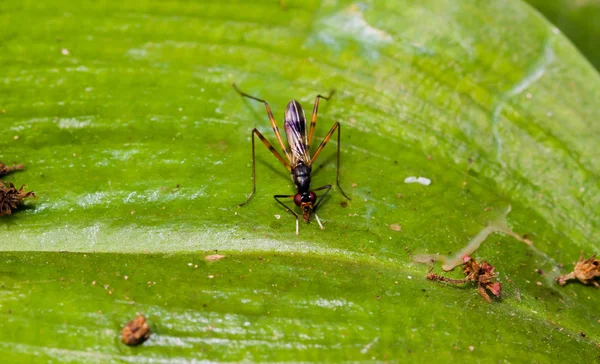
295	129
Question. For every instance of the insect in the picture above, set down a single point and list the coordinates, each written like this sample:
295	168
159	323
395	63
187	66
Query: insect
299	161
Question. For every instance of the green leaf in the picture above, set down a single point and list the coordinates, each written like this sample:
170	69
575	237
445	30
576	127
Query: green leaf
578	20
138	149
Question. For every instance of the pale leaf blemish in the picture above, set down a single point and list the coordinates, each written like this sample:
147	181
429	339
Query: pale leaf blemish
350	24
448	263
322	302
367	347
123	154
535	73
91	233
420	180
73	123
213	257
91	199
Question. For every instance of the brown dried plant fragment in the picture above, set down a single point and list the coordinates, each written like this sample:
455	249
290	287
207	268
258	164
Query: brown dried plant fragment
4	169
213	257
585	271
136	331
11	197
482	274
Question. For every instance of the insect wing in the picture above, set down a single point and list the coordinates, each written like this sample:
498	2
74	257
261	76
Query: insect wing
295	129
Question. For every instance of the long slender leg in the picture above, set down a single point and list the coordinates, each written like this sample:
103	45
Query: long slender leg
313	121
322	145
328	187
275	153
277	197
271	118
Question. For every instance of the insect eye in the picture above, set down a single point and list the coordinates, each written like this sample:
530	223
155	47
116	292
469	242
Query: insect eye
298	199
313	197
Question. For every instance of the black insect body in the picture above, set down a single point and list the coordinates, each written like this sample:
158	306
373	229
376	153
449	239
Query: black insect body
299	160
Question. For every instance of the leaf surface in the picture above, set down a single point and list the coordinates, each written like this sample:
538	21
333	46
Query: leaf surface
139	151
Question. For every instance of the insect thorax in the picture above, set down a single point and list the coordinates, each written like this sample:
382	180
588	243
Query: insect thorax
301	177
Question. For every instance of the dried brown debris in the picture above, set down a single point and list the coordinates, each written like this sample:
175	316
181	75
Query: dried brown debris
4	169
11	197
585	271
213	257
136	331
482	274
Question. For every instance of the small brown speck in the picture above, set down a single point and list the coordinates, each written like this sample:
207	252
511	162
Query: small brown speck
399	195
344	204
396	227
429	157
582	334
213	257
539	271
136	331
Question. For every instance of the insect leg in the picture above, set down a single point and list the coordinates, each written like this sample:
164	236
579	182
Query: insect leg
313	121
322	145
271	118
275	153
277	197
327	187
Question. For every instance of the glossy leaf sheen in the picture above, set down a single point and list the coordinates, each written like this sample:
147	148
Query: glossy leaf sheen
111	106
